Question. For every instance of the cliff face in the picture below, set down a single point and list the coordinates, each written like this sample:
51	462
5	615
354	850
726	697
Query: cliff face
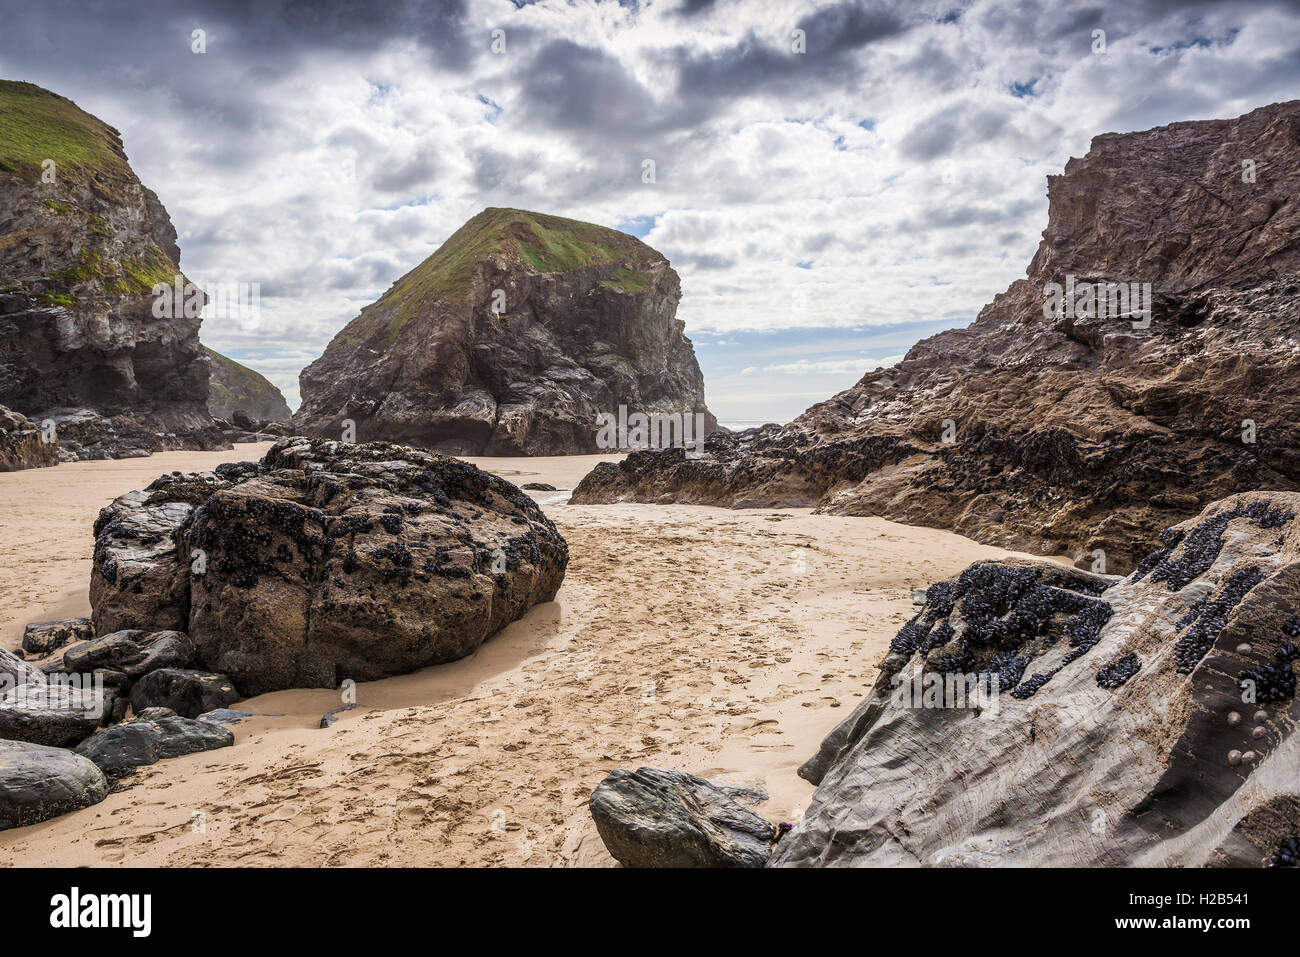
1074	433
236	388
510	339
83	244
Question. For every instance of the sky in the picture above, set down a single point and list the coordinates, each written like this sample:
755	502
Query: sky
833	180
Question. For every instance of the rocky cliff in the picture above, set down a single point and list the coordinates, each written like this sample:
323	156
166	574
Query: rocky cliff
510	339
236	388
84	242
1084	433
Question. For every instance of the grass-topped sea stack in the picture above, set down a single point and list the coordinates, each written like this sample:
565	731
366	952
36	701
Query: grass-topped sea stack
510	339
83	244
237	388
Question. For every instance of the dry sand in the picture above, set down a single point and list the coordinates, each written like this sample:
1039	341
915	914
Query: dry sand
719	642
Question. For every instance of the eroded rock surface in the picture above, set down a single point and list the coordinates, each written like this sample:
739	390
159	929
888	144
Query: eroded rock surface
1146	722
1071	434
510	340
654	817
325	561
132	653
54	713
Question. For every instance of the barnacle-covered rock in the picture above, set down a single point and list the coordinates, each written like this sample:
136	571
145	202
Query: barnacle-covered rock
326	561
1150	720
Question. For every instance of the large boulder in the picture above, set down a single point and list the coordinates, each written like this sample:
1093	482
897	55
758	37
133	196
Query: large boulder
16	671
184	691
151	737
654	817
511	339
326	561
1148	721
38	783
1078	433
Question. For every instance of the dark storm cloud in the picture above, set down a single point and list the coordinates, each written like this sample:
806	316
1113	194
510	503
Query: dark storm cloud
417	173
690	8
574	87
833	35
951	129
955	217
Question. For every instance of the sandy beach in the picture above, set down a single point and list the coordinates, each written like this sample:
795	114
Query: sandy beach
716	641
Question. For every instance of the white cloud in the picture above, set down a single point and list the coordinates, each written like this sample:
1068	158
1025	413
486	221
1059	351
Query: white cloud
890	175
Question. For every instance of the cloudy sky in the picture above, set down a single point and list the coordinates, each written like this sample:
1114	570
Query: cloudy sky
826	208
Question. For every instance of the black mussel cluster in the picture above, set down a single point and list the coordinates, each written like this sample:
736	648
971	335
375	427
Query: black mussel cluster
939	636
1084	629
1170	539
1208	616
1009	667
1002	608
1292	628
1200	547
1119	671
1286	854
1273	680
1029	687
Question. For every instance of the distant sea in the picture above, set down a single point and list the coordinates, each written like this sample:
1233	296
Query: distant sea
739	425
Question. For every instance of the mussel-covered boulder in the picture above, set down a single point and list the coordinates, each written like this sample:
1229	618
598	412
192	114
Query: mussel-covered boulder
1036	715
43	637
138	580
152	736
325	561
654	817
39	782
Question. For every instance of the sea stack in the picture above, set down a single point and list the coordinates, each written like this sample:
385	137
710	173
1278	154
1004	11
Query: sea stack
86	242
511	339
235	388
1076	428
